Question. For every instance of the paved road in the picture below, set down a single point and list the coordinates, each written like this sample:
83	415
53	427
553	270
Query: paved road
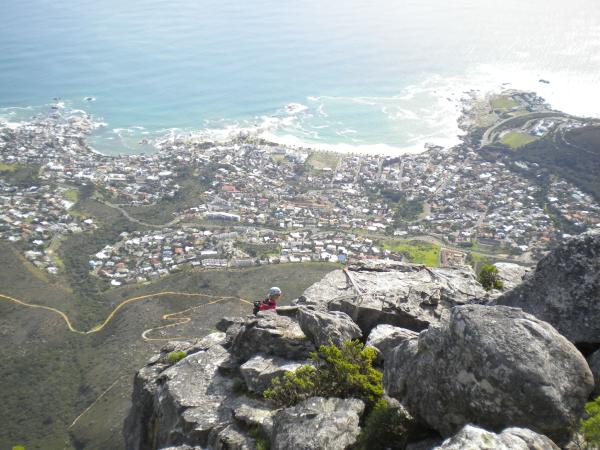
486	140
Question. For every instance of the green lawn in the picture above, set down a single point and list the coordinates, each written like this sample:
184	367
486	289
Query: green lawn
72	195
516	139
418	252
321	160
503	102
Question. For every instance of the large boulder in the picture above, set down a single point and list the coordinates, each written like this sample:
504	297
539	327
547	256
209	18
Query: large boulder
475	438
192	402
255	415
564	290
511	274
384	338
405	295
327	327
259	371
492	366
271	334
594	363
317	423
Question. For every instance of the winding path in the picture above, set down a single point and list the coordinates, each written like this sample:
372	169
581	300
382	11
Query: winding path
100	327
140	222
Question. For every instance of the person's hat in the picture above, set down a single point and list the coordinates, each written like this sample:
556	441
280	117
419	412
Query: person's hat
274	291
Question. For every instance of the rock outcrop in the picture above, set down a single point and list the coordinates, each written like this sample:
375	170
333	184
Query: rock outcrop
511	275
450	355
317	423
385	338
208	399
404	295
564	290
271	334
327	327
493	366
474	438
594	363
259	371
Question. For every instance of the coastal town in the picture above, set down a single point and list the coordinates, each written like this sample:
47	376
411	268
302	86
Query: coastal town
247	202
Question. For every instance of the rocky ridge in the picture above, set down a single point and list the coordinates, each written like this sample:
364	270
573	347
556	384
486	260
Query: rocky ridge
564	289
449	360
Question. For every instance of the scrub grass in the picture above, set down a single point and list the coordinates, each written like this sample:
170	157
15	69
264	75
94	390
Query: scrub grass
516	139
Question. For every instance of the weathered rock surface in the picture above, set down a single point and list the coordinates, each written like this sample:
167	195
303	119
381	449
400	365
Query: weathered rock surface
271	334
226	322
493	366
259	371
326	327
511	274
384	338
564	290
400	294
189	403
474	438
258	414
317	423
232	438
594	363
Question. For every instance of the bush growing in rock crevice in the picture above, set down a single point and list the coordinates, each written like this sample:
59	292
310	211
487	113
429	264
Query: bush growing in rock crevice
344	372
488	277
175	357
590	426
386	427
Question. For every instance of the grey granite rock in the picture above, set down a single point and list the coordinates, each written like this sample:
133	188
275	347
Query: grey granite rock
190	403
474	438
594	363
405	295
493	366
259	371
148	382
256	414
226	322
384	338
511	274
271	334
564	290
232	438
327	327
317	423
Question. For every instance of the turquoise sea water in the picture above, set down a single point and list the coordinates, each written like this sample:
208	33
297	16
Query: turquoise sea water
375	75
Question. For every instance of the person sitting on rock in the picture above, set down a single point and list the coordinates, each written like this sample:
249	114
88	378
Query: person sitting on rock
270	302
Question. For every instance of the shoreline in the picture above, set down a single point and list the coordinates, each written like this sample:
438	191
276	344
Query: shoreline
152	142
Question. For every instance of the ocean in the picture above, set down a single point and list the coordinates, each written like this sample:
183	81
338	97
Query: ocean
375	76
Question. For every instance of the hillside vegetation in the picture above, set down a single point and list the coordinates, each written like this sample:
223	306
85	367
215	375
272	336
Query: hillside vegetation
52	375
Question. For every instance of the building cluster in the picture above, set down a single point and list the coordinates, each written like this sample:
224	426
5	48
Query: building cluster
57	145
34	218
145	256
264	204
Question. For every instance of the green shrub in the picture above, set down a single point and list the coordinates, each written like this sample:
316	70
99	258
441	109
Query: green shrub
386	427
261	440
174	357
590	426
18	447
488	277
342	372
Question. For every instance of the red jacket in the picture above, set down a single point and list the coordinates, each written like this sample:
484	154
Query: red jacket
267	304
